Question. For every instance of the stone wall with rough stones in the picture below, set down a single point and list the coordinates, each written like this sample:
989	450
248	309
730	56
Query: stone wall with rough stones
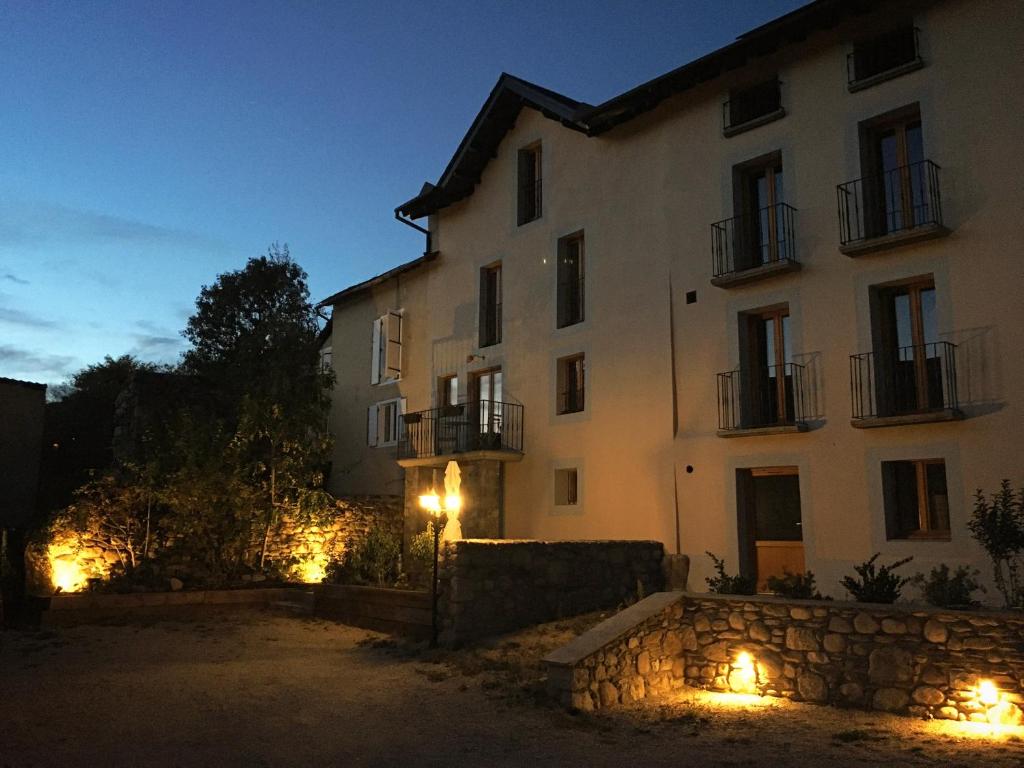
491	586
905	659
298	550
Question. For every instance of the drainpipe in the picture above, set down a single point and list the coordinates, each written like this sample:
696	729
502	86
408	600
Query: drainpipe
417	227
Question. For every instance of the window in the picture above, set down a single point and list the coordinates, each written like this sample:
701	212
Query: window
386	362
891	53
384	426
769	384
763	231
570	384
490	305
570	280
752	106
909	358
529	184
325	359
916	499
896	181
567	487
448	391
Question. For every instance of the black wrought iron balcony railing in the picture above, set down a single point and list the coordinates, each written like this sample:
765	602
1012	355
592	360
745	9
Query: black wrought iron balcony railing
900	200
895	51
758	398
476	425
754	240
902	381
752	104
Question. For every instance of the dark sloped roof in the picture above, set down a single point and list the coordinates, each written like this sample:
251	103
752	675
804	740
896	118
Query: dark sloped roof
358	288
20	383
511	94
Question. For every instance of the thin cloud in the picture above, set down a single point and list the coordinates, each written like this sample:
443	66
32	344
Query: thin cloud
26	319
15	279
25	362
27	223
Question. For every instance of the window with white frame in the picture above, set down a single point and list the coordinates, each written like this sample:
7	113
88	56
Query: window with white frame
384	424
386	361
325	359
567	487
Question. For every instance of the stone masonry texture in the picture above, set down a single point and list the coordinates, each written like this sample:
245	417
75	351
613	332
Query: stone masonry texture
907	659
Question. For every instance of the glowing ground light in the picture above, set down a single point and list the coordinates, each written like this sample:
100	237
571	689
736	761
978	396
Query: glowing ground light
312	571
743	677
987	693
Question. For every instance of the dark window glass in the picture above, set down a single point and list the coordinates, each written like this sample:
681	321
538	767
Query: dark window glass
570	281
490	305
754	102
883	53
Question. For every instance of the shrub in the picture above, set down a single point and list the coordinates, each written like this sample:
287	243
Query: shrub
799	586
876	585
371	560
998	525
419	560
945	590
724	584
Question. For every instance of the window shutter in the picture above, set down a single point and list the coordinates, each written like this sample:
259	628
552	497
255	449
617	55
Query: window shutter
375	353
393	354
401	421
371	426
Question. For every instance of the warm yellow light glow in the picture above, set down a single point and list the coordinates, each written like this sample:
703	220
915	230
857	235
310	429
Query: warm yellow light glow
743	676
987	693
312	571
452	503
431	502
66	575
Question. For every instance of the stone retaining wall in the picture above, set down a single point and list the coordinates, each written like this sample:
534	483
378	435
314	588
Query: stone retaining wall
299	551
492	586
403	611
895	658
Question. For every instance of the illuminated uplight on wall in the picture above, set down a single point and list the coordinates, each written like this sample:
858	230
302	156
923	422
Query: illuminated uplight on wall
312	570
743	675
66	572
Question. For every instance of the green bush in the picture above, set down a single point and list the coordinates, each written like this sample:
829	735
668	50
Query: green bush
371	560
876	585
419	560
799	586
724	584
998	525
945	590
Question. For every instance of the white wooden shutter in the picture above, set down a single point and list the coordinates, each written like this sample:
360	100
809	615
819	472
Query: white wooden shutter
375	361
400	429
393	355
371	426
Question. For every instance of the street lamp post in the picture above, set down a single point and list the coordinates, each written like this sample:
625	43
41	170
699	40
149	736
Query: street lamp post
431	502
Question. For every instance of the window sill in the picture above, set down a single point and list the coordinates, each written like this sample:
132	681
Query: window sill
906	419
924	536
528	221
881	77
893	240
734	130
754	274
778	429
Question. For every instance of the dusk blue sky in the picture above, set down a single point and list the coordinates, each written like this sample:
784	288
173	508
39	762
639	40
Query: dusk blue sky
149	146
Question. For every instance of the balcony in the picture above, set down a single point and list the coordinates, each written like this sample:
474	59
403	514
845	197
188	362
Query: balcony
753	247
890	209
883	58
482	428
769	400
905	385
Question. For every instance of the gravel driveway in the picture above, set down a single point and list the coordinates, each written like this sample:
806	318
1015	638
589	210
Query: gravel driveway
257	688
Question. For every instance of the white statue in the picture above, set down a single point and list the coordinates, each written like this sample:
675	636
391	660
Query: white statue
452	502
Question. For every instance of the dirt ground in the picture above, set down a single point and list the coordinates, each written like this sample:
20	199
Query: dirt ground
259	688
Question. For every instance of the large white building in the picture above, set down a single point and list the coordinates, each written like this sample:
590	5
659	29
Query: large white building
767	305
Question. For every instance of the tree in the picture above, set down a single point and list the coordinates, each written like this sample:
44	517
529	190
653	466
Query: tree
254	338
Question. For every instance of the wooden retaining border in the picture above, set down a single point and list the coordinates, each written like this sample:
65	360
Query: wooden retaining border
92	607
401	611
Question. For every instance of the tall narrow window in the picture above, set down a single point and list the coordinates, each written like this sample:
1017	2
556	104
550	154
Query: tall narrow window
567	487
489	407
916	499
763	224
570	280
490	305
448	390
896	180
769	392
530	184
908	353
571	371
386	362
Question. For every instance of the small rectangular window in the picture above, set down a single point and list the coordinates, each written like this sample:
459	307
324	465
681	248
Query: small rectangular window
886	53
752	105
325	359
567	487
916	499
490	305
384	424
448	391
570	280
529	184
571	371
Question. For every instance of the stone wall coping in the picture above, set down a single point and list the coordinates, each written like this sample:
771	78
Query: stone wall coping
547	543
907	608
611	629
103	600
369	591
